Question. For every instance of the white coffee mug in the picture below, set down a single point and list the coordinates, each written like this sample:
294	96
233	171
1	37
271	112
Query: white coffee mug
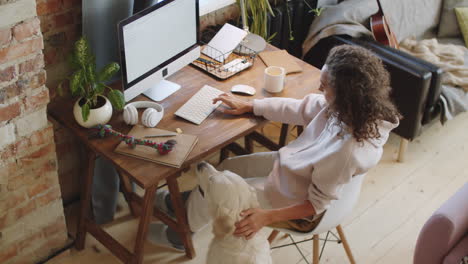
274	79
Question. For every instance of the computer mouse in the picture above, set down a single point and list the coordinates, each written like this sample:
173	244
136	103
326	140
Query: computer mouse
243	89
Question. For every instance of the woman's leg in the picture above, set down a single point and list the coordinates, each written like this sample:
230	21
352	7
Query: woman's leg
197	214
254	168
105	190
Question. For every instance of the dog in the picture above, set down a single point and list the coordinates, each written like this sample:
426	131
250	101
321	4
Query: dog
227	195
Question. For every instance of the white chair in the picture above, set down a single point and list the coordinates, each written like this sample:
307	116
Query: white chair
332	218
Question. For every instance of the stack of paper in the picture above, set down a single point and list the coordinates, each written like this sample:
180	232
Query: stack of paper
224	42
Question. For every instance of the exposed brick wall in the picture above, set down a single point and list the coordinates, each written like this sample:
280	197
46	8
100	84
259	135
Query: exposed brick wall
61	27
32	222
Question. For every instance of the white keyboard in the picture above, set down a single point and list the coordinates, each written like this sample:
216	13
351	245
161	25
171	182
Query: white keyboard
200	106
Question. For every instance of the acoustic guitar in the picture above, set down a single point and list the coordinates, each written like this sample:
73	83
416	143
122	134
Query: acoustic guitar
381	29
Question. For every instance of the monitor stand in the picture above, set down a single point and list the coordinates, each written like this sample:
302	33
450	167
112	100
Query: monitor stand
161	90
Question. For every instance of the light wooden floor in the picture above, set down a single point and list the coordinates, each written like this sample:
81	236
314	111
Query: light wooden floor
396	200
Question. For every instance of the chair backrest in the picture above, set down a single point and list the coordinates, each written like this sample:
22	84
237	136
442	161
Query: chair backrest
338	209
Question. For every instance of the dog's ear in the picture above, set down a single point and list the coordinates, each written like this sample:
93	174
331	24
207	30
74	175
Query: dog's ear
223	224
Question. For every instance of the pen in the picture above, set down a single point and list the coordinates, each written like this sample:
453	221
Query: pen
162	135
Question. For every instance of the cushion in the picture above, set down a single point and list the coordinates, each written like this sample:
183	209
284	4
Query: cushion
412	18
448	26
462	17
458	252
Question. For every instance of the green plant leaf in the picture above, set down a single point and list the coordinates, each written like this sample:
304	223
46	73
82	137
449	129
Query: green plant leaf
316	11
82	52
76	84
116	98
94	101
85	111
257	13
272	37
108	71
98	88
73	62
91	72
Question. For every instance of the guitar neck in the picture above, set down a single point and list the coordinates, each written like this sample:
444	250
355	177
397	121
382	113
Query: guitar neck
380	6
381	30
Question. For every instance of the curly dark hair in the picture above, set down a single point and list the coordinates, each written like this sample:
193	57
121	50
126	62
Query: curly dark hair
362	91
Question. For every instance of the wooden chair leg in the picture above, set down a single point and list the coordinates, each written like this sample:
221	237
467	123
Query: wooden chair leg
315	252
272	236
403	147
345	244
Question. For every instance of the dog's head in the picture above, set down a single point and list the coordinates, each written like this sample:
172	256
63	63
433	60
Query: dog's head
227	194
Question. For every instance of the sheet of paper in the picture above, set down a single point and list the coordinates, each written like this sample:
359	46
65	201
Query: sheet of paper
224	42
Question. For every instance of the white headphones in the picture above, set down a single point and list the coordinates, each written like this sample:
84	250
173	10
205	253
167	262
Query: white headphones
151	116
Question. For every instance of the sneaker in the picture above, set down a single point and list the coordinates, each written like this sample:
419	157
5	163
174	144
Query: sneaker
158	235
161	204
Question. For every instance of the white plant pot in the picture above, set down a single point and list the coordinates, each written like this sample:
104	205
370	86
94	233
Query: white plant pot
97	116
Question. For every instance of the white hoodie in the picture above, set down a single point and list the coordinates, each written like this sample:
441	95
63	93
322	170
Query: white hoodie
315	166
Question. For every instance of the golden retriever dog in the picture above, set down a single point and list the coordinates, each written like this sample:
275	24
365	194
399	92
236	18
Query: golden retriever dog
227	194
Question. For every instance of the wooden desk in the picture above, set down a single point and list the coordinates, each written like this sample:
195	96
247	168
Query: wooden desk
217	131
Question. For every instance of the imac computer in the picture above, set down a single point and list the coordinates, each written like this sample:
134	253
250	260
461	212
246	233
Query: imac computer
155	43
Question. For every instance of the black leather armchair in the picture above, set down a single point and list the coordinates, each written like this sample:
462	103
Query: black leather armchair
415	83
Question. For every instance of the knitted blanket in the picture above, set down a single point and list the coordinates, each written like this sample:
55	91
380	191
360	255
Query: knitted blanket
449	57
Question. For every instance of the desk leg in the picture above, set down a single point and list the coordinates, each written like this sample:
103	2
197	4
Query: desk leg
181	215
249	145
85	203
300	129
145	218
283	135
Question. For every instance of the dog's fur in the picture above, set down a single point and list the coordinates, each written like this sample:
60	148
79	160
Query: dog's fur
227	195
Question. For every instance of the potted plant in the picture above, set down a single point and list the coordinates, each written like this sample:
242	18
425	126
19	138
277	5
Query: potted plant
88	84
257	12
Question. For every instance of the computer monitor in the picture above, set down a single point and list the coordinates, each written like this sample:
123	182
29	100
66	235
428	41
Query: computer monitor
155	43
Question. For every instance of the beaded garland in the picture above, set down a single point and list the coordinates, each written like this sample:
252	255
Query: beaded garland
162	148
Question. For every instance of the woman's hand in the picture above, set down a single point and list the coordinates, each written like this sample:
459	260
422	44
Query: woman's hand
238	107
254	220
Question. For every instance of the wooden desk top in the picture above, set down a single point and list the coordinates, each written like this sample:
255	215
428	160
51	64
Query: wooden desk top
217	131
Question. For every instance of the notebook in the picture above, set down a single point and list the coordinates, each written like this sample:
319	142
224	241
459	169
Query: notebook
280	58
175	158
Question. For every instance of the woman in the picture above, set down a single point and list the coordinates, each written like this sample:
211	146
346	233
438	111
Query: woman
344	133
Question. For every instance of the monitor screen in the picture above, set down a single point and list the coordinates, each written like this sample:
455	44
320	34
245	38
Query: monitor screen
156	36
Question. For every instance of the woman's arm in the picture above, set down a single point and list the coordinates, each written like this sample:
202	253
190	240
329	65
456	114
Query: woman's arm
238	107
256	218
284	110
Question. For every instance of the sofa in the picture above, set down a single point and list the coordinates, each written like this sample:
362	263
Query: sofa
444	236
416	84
